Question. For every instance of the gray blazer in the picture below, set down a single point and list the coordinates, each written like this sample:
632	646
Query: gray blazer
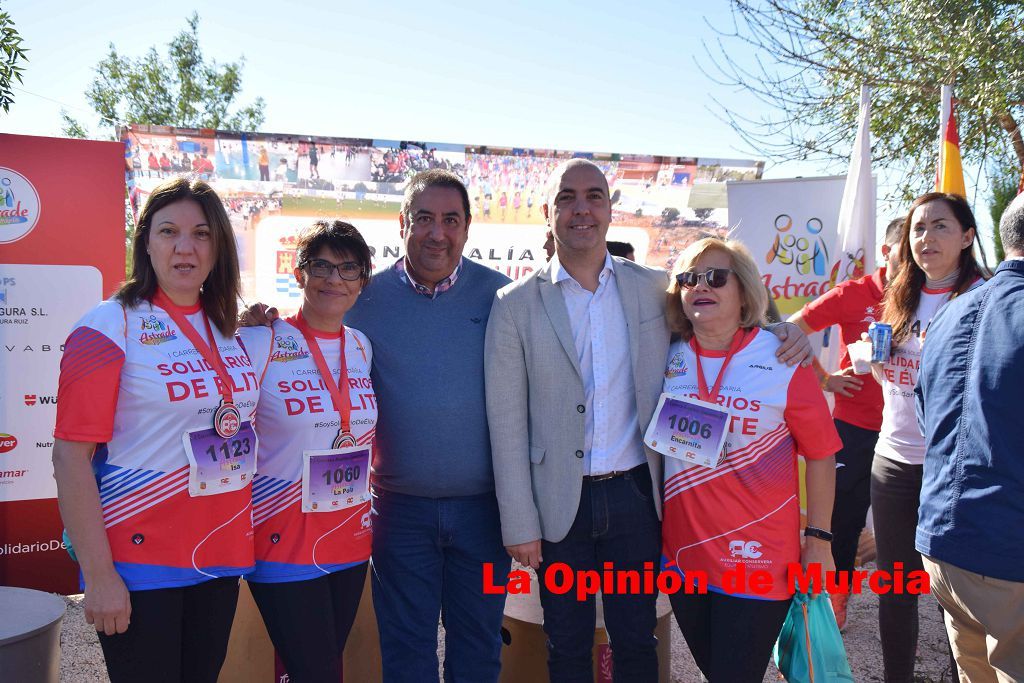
534	387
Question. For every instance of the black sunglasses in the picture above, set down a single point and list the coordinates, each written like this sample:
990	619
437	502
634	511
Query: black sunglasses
349	270
714	277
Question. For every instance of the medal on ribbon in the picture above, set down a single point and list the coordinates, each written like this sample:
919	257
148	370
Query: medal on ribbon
343	440
227	420
339	390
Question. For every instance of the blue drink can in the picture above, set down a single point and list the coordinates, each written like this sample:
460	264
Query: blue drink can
881	341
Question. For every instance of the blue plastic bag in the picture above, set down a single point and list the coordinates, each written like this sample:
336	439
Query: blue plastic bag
810	648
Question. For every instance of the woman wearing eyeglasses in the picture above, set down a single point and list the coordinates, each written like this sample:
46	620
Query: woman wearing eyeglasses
315	422
745	507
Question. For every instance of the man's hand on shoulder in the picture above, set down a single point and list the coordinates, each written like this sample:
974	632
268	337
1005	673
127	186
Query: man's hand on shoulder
526	554
258	315
795	347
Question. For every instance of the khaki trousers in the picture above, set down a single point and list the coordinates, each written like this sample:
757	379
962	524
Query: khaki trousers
984	622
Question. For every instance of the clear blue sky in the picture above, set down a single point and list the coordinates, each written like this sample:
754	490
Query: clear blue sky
571	75
567	74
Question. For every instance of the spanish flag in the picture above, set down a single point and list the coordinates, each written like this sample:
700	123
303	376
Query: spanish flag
950	177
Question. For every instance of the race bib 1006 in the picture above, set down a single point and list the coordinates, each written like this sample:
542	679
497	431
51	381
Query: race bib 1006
688	429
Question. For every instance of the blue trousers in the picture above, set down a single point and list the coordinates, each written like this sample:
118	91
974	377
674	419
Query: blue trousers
428	557
616	522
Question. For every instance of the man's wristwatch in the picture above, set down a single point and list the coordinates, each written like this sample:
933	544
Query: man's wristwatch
815	532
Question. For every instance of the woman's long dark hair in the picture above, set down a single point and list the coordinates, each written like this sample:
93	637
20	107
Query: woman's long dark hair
219	295
903	294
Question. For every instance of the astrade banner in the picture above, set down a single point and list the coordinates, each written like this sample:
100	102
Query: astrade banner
61	252
275	185
791	228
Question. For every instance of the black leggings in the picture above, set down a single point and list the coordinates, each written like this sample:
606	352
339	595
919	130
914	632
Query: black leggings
731	638
853	491
895	490
175	634
309	621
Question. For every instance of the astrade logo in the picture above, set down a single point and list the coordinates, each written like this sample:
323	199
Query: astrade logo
677	366
154	331
287	349
19	206
7	442
802	248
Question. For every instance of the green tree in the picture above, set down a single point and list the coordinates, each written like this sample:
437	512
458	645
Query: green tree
1003	184
12	56
181	89
812	56
71	128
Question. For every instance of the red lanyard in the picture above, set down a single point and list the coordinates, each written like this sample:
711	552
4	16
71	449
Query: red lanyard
702	386
341	399
209	352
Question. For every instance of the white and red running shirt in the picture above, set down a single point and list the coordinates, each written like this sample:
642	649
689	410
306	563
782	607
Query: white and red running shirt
900	438
296	414
131	382
747	509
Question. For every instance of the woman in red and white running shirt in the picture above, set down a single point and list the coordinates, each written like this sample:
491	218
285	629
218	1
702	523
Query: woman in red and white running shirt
747	508
154	451
315	421
938	235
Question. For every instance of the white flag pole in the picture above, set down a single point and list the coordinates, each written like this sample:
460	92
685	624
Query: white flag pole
856	224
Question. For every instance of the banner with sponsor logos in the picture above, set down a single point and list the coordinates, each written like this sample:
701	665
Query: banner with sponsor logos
274	185
791	227
61	252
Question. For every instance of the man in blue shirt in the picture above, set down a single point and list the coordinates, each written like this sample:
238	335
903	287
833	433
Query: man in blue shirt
971	522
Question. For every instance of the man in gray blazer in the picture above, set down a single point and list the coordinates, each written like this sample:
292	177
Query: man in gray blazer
574	361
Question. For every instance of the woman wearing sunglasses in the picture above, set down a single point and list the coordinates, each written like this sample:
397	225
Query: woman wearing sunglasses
745	508
315	421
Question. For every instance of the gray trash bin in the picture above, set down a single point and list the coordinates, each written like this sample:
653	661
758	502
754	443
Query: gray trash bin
30	635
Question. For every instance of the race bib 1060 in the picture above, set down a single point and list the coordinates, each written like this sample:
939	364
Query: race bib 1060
335	479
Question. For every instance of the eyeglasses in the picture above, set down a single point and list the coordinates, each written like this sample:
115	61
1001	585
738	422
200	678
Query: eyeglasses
713	277
349	270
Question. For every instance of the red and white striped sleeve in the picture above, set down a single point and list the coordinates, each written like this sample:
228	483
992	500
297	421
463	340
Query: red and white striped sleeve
808	418
90	375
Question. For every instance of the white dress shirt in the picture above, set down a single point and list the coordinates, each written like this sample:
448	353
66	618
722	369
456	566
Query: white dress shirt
612	437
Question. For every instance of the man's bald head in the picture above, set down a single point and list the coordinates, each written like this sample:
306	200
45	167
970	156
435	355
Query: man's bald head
555	179
1011	227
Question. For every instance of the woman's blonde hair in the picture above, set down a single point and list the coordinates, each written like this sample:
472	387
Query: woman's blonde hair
753	295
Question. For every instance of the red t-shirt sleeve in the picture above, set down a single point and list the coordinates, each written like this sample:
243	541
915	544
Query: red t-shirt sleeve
824	311
808	418
90	376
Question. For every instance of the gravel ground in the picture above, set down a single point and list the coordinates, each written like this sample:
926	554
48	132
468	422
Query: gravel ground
82	660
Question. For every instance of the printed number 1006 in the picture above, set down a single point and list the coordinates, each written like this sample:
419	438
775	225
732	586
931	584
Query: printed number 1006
685	425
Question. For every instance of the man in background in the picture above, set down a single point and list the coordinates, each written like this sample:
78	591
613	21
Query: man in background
970	529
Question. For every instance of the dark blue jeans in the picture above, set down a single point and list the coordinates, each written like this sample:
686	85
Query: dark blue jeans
616	522
428	557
